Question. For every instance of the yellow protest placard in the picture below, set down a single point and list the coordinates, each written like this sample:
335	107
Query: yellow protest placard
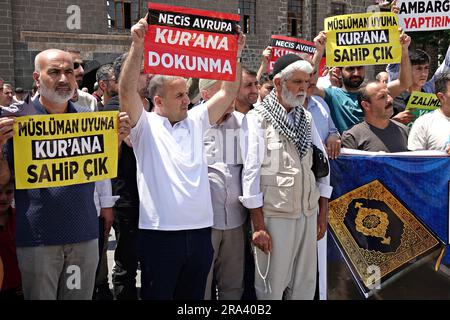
65	149
363	39
423	101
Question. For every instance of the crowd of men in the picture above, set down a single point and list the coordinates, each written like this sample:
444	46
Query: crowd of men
215	197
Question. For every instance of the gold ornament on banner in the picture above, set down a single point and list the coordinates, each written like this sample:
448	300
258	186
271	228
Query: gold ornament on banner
372	222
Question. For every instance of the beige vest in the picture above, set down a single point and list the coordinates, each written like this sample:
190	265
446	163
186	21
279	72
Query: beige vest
287	183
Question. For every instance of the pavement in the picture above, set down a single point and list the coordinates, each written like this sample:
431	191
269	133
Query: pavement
421	282
110	254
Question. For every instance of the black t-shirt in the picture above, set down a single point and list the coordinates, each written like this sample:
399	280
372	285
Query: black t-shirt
125	185
363	136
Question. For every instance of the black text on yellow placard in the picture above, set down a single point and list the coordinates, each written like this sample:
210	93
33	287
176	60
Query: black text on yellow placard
362	39
65	149
423	101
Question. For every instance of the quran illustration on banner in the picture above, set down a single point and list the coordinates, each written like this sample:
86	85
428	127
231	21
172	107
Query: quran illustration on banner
381	231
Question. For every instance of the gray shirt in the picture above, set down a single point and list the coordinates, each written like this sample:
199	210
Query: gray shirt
363	136
224	172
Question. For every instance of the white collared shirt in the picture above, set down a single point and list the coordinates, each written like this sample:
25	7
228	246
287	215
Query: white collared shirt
225	170
172	173
253	150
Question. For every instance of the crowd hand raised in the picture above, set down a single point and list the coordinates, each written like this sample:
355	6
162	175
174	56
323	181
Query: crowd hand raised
405	40
241	41
320	41
139	30
6	130
262	240
394	8
266	55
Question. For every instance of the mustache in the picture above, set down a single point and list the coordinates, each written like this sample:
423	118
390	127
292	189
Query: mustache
62	87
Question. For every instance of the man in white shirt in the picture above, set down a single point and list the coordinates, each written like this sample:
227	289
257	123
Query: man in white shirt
432	130
174	240
280	189
224	172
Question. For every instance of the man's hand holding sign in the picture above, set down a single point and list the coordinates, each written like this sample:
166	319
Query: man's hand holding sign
362	39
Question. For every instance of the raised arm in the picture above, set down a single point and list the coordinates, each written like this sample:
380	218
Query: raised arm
264	62
220	102
130	101
392	68
320	42
404	80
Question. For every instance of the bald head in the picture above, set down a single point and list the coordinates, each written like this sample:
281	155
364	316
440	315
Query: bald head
54	75
366	92
43	58
376	102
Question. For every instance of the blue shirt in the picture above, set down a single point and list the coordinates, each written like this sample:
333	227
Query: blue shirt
344	108
55	216
322	118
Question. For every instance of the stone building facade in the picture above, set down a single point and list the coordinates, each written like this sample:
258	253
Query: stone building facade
98	28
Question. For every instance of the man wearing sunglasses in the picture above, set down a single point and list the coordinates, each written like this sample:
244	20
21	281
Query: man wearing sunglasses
84	99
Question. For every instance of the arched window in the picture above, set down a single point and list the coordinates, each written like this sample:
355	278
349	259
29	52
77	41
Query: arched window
247	10
295	8
337	8
122	14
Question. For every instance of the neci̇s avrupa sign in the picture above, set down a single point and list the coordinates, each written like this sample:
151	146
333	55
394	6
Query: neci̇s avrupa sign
282	45
191	42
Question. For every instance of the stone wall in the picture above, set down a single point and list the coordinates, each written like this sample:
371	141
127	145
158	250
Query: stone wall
31	26
40	25
6	42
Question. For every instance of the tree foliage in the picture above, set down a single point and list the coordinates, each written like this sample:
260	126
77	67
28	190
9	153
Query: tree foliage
439	39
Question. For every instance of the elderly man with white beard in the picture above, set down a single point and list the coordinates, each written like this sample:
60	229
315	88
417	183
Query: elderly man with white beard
288	207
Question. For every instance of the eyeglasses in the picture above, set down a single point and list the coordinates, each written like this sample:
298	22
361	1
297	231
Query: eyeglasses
76	65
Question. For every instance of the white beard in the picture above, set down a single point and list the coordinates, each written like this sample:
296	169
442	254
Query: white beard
293	100
53	95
